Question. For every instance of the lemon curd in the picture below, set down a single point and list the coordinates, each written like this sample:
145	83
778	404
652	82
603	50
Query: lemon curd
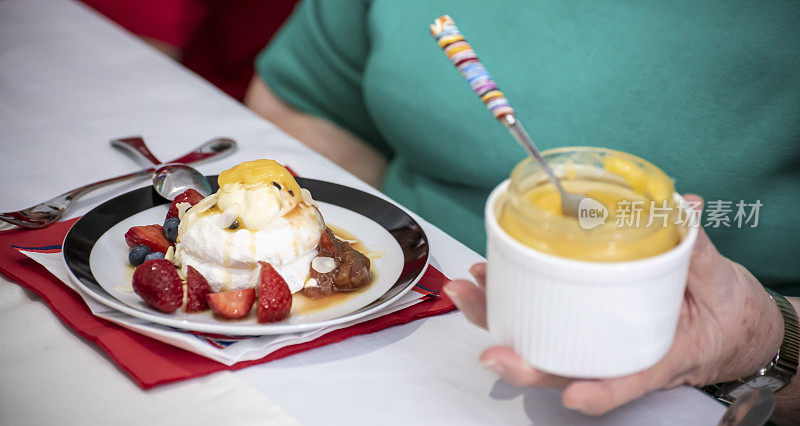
257	192
640	217
260	172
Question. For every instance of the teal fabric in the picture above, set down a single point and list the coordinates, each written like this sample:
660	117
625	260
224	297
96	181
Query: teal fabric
709	91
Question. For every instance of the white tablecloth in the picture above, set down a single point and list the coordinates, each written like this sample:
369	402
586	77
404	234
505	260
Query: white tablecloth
70	81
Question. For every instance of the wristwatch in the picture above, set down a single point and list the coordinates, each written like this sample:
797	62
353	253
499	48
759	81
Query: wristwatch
779	372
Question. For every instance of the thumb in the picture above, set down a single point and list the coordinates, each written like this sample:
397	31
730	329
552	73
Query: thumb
597	397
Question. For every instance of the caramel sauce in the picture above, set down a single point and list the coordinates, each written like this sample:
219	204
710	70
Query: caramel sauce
253	245
302	305
122	288
350	238
214	210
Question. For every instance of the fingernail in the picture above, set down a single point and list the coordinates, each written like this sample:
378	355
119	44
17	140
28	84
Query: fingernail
572	404
493	366
472	271
479	279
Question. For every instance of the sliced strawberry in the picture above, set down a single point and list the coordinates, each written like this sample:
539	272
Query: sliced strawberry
190	196
274	296
151	235
196	290
232	304
158	284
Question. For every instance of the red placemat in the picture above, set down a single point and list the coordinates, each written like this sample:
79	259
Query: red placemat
150	362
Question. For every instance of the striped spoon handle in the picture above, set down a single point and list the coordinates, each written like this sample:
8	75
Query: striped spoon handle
449	38
460	53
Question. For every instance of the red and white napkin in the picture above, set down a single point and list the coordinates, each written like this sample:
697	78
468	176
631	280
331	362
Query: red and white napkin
154	354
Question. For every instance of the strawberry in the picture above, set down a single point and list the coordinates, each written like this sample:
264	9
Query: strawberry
274	296
151	235
196	290
158	284
190	196
232	304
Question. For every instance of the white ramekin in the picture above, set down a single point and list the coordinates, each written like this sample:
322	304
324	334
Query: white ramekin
585	319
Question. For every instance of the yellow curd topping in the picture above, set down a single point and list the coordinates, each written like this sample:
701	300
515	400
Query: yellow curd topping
641	214
260	172
656	185
257	192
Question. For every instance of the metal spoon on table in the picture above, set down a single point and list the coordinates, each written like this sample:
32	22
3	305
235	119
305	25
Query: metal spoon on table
172	180
466	61
48	212
169	180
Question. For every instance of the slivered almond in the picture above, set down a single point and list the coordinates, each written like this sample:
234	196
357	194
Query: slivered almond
323	265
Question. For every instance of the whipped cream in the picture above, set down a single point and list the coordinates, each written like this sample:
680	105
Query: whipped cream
228	259
227	234
255	206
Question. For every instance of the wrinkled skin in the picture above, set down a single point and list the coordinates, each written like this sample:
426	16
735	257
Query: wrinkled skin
729	327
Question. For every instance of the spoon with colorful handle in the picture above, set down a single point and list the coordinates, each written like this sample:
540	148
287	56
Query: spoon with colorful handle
462	55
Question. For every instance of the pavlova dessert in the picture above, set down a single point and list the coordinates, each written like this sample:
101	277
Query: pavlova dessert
260	237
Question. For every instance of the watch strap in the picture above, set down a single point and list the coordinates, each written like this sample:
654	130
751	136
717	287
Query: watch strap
786	360
783	366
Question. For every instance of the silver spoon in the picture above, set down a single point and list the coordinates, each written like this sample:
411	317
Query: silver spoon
570	201
446	33
135	146
751	409
171	180
213	148
46	213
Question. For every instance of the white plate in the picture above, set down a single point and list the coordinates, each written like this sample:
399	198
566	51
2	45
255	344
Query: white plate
379	225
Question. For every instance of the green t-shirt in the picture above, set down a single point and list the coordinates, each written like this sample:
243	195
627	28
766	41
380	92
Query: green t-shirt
708	91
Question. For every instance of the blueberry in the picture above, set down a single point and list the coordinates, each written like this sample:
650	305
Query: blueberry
171	229
137	254
154	255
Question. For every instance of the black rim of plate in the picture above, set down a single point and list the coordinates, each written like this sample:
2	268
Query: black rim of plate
83	235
